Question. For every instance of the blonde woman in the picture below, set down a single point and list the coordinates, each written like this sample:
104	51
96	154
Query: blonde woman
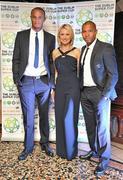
67	93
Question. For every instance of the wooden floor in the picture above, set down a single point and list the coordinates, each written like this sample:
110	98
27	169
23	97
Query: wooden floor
117	152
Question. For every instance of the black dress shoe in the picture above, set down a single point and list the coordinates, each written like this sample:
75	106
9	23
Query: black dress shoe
23	155
87	156
101	168
45	148
99	171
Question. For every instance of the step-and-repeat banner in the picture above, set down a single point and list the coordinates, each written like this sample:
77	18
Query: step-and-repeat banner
15	17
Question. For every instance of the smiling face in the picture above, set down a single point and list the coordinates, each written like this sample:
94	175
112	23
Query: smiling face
65	35
37	18
89	32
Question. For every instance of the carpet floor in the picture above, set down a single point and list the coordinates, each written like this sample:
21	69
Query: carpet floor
39	166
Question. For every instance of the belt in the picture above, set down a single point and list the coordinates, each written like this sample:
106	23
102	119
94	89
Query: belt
89	86
36	77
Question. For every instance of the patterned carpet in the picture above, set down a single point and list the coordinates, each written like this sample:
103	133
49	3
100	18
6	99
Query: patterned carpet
38	166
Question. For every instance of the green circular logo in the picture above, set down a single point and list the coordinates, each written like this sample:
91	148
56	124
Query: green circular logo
11	125
8	84
25	19
105	37
8	39
83	16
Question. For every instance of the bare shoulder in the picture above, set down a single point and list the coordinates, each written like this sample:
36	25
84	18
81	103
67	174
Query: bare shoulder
77	51
55	51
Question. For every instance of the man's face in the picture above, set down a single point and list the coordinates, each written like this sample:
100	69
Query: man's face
37	18
89	33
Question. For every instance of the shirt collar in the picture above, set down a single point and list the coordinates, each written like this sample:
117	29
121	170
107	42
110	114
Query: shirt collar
39	32
92	45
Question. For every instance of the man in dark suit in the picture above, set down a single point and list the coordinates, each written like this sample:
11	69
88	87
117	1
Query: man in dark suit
98	77
33	74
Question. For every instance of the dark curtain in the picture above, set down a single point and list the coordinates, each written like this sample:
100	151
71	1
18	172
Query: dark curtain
118	44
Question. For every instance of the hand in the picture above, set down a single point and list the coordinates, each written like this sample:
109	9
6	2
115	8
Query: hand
53	95
18	83
101	104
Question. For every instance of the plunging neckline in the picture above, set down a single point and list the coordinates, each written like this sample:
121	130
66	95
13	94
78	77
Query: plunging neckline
63	54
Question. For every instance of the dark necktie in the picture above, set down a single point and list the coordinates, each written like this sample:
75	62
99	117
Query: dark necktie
82	69
36	57
85	56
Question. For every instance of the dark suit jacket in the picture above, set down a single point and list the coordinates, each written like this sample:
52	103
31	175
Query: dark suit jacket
103	68
21	54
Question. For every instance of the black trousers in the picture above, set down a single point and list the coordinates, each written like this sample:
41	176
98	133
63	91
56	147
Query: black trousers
97	126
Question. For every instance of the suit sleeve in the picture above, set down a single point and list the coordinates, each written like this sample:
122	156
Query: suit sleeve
110	64
16	60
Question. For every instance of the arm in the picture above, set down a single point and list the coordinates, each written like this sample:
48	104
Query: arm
111	70
54	55
55	74
16	60
52	70
111	76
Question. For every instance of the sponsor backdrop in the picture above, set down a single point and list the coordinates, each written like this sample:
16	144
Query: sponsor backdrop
15	17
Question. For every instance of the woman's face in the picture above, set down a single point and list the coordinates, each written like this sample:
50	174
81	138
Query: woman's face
65	36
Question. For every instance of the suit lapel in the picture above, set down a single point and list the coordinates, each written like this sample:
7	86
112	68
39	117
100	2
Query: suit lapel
45	52
81	67
26	43
45	45
82	50
95	50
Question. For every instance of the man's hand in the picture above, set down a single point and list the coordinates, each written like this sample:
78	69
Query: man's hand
52	95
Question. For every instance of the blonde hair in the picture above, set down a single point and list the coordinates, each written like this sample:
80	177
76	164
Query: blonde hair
70	29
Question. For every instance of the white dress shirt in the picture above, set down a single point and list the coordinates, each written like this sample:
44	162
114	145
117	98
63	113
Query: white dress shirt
30	69
87	76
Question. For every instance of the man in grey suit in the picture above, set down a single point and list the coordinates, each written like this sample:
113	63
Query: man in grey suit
98	77
33	74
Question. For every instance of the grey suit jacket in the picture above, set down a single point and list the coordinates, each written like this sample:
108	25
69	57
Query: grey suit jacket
21	54
103	68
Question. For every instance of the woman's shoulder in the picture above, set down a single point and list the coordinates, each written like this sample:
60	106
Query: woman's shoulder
77	49
77	52
55	51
